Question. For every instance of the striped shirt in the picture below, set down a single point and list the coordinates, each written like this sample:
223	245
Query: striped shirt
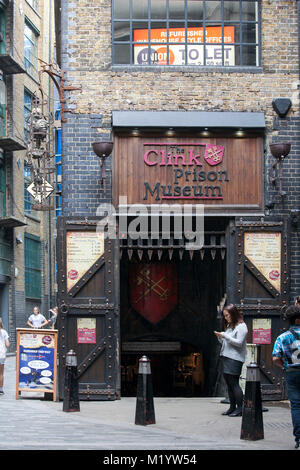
287	347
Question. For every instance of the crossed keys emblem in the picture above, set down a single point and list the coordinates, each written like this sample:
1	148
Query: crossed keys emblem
213	154
153	290
144	279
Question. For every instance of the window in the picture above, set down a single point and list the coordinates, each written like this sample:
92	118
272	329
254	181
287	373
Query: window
2	106
2	31
34	4
30	49
5	256
33	271
27	182
186	32
2	186
27	111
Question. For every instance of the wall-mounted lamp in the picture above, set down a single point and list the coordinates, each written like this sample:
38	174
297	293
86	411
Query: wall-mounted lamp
102	150
135	132
240	133
170	132
279	151
19	239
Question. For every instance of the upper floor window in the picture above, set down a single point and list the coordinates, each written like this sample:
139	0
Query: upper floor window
27	111
2	31
2	107
186	32
30	49
34	4
27	182
2	186
33	267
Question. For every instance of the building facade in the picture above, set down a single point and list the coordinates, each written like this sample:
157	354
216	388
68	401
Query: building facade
26	241
192	94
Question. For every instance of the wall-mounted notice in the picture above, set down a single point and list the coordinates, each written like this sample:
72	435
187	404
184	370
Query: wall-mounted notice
83	250
86	330
177	53
36	361
261	331
264	250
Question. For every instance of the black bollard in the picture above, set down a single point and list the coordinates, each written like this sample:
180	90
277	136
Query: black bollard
144	413
252	418
71	395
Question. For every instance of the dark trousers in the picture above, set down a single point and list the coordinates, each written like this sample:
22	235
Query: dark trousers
293	391
235	393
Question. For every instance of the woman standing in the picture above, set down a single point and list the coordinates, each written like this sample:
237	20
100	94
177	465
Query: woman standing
54	313
36	319
233	354
4	344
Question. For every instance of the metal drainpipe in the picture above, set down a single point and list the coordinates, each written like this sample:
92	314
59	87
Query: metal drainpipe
13	303
298	8
49	214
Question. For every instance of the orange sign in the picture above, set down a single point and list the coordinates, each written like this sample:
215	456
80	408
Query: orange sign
213	35
177	51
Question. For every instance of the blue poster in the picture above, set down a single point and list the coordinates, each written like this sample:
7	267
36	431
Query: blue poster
36	361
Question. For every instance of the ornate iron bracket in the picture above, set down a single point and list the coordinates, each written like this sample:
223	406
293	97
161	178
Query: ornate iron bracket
60	85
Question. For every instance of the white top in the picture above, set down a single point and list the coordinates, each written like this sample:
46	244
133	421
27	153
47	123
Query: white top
3	338
36	320
234	342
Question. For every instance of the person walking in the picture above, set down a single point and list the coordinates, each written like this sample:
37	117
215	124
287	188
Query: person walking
4	344
233	355
286	355
36	319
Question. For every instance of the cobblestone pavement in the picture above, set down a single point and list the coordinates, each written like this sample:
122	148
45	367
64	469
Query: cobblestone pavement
33	423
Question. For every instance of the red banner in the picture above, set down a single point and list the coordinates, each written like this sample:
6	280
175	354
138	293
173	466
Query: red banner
153	290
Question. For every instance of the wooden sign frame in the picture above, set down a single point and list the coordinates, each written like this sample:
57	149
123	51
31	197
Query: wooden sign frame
37	339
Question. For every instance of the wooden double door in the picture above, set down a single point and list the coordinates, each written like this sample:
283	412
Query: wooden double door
88	319
88	265
258	278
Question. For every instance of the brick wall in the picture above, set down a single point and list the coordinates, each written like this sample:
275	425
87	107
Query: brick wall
81	166
288	130
87	60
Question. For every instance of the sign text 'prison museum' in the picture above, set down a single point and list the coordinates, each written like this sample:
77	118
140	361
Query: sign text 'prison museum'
214	171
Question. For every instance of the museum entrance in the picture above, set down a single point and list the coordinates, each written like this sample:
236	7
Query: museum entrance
169	302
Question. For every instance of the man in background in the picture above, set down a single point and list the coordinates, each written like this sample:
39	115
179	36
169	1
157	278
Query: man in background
286	354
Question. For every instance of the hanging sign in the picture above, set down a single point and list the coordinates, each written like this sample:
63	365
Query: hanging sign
42	192
261	332
264	250
83	250
86	330
36	361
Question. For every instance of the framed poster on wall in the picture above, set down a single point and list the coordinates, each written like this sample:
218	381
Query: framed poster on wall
83	249
264	251
36	361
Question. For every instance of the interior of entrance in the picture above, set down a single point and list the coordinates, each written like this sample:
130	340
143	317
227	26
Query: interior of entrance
179	341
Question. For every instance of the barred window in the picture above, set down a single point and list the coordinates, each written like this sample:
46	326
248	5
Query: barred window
186	32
